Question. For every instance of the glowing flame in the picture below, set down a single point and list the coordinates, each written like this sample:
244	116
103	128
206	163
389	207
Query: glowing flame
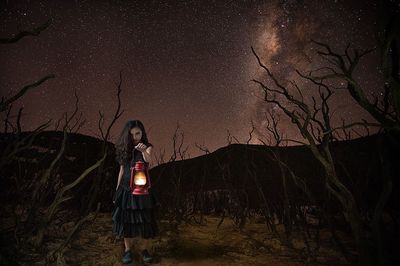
140	178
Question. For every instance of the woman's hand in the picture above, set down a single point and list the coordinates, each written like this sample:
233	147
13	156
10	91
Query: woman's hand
141	147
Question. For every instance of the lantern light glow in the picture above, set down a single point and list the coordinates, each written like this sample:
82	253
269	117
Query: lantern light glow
140	178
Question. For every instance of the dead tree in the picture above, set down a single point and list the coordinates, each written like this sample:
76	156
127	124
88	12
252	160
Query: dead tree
37	239
18	144
300	182
268	214
229	138
386	111
176	179
235	201
5	103
98	183
38	221
275	141
41	186
318	132
15	143
35	32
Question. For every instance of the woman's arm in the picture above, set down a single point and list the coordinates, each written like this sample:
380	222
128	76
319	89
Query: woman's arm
147	154
121	173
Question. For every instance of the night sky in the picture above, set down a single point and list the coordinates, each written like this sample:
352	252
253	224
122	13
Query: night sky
186	61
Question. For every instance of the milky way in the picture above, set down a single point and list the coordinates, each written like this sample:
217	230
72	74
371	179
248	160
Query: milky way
186	61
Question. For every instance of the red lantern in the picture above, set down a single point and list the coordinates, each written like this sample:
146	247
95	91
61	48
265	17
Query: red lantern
140	179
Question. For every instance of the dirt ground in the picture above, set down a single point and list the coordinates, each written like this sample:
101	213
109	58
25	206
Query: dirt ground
198	245
190	244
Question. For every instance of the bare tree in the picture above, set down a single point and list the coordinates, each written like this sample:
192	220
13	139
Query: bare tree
18	144
5	103
229	138
178	198
35	32
178	150
98	183
36	223
385	111
318	133
202	148
41	187
276	140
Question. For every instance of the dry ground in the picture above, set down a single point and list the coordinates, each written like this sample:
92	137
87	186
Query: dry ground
195	244
190	244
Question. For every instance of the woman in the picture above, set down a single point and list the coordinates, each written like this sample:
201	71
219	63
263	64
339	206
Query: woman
133	215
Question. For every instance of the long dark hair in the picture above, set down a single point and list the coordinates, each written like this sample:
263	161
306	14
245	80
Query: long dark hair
124	144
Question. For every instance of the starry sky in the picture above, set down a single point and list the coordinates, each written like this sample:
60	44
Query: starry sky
181	61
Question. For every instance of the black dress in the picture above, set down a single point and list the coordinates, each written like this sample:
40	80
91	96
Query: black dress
134	215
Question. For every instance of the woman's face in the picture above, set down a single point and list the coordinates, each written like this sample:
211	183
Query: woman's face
136	134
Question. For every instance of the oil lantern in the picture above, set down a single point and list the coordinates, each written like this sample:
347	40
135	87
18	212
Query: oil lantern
140	178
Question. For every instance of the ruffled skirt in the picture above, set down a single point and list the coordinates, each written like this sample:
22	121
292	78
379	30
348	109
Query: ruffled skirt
134	215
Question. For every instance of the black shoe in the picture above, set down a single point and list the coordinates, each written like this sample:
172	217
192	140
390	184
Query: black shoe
146	257
127	258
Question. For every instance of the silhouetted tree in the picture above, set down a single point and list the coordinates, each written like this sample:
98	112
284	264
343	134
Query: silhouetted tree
318	132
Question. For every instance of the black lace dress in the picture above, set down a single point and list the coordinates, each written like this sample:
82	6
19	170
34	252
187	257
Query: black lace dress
134	215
